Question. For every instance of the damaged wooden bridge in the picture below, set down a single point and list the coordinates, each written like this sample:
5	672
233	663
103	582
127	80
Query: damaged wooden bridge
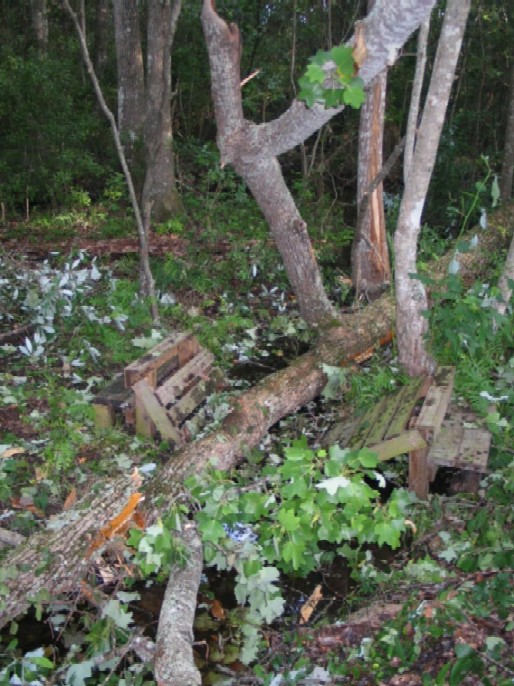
157	393
421	421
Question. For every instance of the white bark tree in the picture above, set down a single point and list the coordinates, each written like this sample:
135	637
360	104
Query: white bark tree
253	149
411	299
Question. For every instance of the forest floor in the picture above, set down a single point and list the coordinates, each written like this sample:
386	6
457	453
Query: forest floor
437	610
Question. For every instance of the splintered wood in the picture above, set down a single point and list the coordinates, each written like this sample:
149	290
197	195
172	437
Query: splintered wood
161	389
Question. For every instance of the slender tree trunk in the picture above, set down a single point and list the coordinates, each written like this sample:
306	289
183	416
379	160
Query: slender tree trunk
253	149
102	27
131	86
145	271
417	85
411	325
370	256
508	151
160	191
40	23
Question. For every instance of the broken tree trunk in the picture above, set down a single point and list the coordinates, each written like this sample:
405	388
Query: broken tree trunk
55	559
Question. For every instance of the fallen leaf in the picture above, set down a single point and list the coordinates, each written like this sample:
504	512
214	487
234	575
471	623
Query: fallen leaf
308	608
71	499
217	609
11	452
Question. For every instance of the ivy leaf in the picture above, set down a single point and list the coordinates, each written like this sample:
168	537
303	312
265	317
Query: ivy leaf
117	612
353	94
333	97
288	519
315	73
333	484
293	553
343	58
77	674
367	458
210	528
272	609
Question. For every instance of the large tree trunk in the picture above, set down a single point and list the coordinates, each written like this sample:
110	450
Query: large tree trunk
131	85
411	325
160	191
508	151
253	149
370	256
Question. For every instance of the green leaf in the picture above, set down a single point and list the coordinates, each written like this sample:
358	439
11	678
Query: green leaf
353	94
315	73
367	458
77	674
343	58
117	612
288	519
299	450
210	529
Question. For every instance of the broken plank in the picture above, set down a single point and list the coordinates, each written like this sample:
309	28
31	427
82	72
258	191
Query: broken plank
366	424
407	399
419	473
404	443
182	345
185	378
151	416
194	397
436	403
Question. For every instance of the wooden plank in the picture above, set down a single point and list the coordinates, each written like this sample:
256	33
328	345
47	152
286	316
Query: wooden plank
383	420
114	394
445	448
182	345
366	424
460	444
419	473
190	401
104	416
436	403
151	415
185	378
408	397
398	445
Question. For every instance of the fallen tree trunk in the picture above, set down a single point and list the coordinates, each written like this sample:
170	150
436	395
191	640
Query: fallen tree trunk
53	561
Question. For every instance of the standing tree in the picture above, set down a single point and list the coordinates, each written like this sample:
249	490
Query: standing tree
370	256
411	300
131	85
144	105
253	149
508	150
39	13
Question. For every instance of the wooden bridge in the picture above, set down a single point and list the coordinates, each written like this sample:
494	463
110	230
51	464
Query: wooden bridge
421	421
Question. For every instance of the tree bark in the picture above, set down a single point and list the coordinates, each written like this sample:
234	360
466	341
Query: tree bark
40	23
174	661
253	149
370	255
160	191
411	325
417	85
131	86
102	25
508	151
